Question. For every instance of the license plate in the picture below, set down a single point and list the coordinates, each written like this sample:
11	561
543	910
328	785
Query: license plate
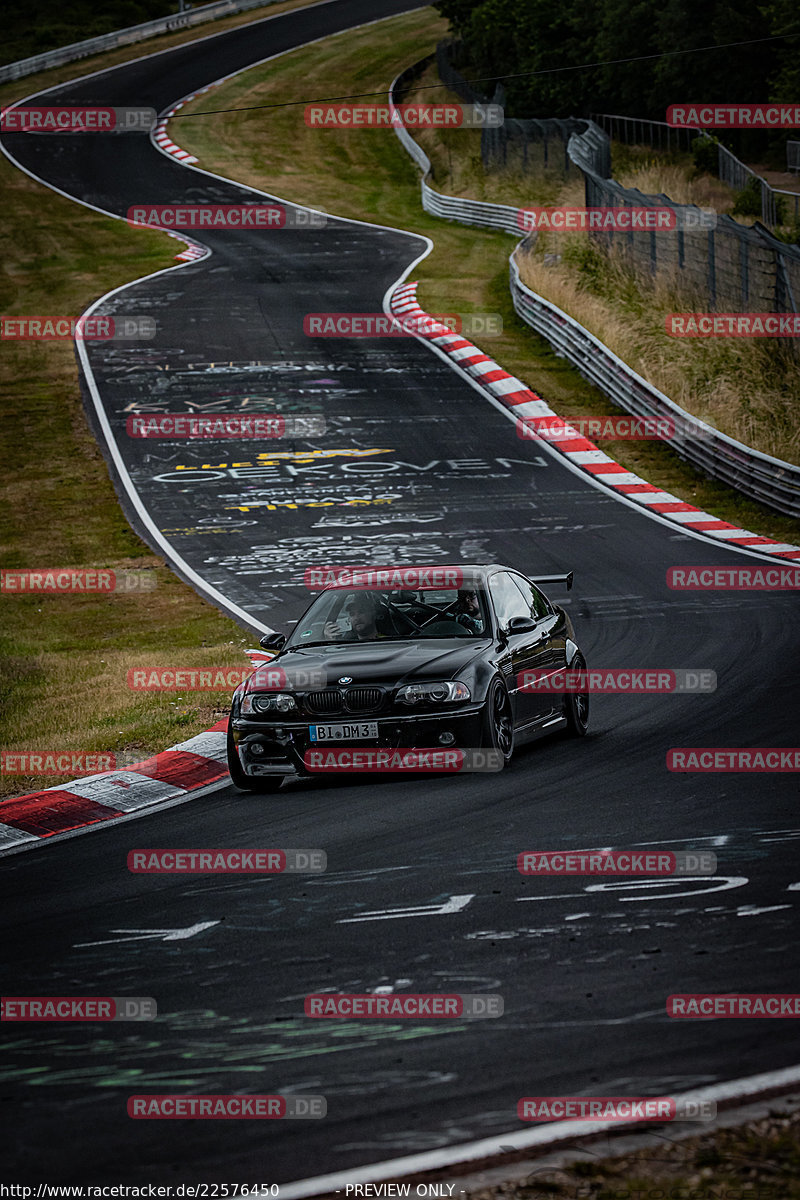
357	731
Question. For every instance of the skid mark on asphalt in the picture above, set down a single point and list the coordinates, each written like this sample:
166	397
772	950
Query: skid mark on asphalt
246	1048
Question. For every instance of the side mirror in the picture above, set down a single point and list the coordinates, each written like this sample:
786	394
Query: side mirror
521	625
273	641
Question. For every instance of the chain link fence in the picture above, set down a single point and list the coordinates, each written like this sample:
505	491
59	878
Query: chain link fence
777	204
534	146
730	267
727	268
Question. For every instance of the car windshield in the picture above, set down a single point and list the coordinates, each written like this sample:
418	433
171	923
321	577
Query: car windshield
342	615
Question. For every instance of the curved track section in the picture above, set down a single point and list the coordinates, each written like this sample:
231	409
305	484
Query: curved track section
418	466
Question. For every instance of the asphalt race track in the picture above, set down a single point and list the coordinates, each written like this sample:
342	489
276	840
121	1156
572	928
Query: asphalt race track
584	966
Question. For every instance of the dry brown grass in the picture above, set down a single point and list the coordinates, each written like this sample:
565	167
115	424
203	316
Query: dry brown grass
679	182
747	388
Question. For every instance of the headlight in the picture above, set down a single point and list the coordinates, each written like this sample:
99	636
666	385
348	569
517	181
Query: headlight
272	702
444	692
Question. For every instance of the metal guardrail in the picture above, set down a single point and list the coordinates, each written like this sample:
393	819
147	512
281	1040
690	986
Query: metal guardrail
760	476
471	212
124	37
450	208
769	480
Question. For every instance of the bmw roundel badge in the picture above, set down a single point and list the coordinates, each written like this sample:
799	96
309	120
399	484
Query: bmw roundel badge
345	679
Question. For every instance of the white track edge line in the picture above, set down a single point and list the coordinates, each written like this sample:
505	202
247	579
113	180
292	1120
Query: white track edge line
746	1088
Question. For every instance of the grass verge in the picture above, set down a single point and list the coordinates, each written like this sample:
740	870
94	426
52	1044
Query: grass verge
64	659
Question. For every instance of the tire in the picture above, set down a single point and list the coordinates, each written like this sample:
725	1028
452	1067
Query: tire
576	704
498	722
265	784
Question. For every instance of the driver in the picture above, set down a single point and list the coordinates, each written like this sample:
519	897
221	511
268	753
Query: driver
467	610
363	627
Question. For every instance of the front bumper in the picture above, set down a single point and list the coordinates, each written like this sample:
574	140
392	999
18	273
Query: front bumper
285	743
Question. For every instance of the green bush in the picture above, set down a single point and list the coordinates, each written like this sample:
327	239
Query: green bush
748	201
705	155
588	259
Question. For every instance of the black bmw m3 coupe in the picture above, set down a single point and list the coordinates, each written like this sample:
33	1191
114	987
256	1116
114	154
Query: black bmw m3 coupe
432	668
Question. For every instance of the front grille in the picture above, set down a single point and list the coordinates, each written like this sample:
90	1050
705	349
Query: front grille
336	701
325	702
363	699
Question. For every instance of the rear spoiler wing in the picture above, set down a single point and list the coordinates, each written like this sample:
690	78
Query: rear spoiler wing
546	580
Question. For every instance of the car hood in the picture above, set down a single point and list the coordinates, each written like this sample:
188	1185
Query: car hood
387	663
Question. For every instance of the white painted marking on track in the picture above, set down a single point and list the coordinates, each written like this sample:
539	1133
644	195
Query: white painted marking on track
750	910
162	935
453	905
560	896
724	883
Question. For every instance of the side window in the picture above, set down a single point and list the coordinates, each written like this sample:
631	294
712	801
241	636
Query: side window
535	604
507	598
